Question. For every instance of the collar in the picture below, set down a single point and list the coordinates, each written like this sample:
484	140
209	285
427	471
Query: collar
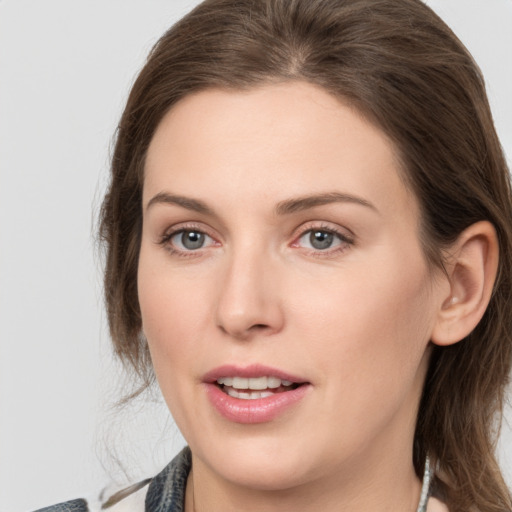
166	492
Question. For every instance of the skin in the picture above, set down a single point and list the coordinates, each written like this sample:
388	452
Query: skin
354	320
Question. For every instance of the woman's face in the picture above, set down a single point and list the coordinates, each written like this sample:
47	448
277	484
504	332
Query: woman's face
280	248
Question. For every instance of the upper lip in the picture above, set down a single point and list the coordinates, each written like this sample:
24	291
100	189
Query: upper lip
254	370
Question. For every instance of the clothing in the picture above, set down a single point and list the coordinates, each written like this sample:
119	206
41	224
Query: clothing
163	493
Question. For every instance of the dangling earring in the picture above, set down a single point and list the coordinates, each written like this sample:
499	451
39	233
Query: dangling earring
425	488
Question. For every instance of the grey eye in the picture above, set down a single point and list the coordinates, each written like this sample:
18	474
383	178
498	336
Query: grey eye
189	240
321	239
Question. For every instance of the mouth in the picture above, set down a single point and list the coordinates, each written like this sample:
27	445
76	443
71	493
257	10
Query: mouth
253	388
254	394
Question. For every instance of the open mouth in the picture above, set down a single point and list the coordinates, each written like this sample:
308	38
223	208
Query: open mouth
253	388
253	394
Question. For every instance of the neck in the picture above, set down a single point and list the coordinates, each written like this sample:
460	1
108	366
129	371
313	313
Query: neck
377	484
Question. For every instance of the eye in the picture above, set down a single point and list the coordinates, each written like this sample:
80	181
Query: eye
323	240
319	240
190	240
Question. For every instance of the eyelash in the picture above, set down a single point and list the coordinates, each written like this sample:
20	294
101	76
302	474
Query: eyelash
345	240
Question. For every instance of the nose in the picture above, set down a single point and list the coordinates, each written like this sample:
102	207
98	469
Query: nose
249	301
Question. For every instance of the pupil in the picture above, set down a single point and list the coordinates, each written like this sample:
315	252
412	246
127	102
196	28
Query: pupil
192	239
321	239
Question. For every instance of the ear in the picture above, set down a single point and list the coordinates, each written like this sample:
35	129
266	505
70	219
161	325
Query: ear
471	266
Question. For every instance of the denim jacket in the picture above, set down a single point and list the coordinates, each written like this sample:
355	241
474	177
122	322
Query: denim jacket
163	493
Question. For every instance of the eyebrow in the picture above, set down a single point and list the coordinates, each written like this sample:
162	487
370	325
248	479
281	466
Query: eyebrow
306	202
286	207
185	202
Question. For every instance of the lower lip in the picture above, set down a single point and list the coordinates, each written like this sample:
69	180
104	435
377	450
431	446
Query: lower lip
260	410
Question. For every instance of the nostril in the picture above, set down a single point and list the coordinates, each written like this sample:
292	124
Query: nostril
245	333
259	327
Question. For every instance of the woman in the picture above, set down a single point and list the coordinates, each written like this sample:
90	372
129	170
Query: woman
308	234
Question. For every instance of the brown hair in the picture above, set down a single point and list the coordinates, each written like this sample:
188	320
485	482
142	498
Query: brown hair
402	68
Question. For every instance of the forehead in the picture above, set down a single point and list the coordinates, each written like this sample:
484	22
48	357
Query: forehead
272	142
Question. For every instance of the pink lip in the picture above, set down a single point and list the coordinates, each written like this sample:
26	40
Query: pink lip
254	370
260	410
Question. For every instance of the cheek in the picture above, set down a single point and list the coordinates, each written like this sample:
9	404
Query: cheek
171	317
368	328
166	313
367	338
170	324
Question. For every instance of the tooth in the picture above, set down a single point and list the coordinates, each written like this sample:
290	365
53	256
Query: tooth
258	383
232	392
240	383
273	382
244	395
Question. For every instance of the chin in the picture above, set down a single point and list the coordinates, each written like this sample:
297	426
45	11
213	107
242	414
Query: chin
263	475
260	463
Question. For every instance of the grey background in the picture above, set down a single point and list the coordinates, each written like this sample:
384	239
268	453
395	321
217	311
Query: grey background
65	70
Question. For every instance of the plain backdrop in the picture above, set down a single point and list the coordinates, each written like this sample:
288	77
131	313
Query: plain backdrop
65	71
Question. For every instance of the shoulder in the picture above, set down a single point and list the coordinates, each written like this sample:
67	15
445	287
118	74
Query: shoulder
166	491
131	499
69	506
